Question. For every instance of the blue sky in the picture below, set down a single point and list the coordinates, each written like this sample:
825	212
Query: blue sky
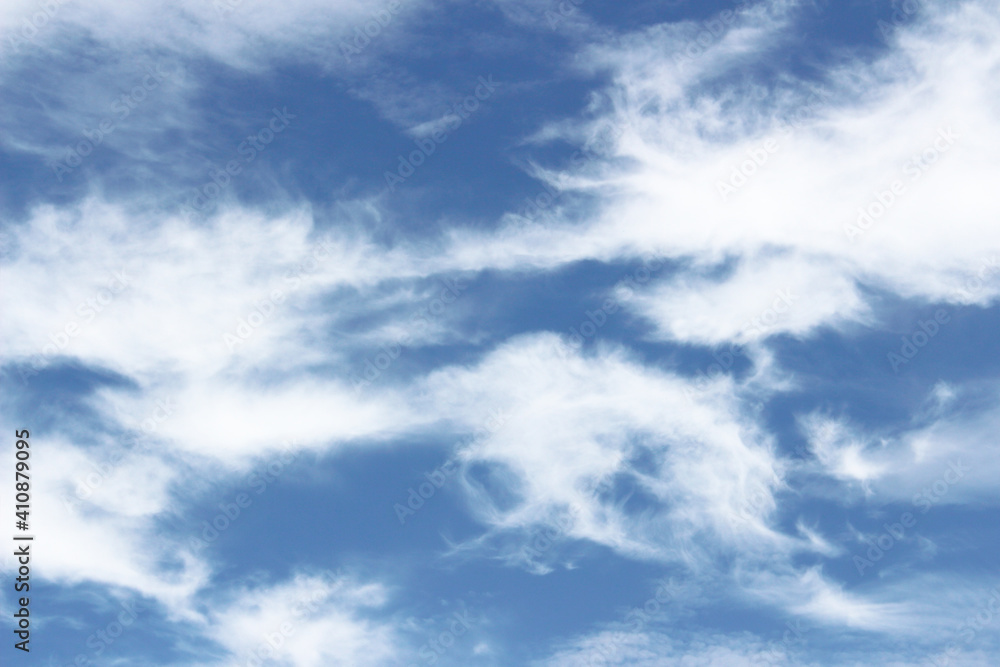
515	332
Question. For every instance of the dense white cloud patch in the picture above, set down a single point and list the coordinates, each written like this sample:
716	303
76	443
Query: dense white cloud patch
817	187
98	506
191	313
763	296
579	432
307	621
706	471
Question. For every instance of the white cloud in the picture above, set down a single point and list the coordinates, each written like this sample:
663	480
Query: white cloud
839	451
307	621
97	519
946	456
762	297
706	477
578	426
813	153
232	31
